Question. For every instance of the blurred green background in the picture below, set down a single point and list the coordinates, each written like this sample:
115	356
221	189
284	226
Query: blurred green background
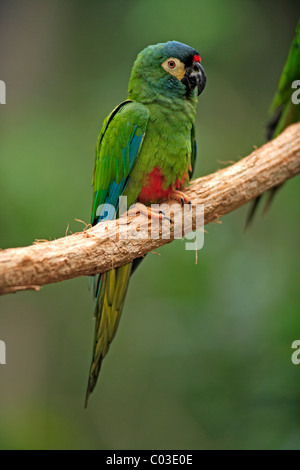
202	358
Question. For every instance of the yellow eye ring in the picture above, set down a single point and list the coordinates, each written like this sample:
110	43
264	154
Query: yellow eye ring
174	67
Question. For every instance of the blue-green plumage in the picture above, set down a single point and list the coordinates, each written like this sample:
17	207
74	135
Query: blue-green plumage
146	150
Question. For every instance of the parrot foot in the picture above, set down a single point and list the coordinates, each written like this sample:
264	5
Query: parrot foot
181	197
140	208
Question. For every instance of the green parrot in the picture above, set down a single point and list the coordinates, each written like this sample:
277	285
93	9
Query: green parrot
284	109
146	151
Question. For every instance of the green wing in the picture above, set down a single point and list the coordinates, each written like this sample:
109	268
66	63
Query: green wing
284	112
118	146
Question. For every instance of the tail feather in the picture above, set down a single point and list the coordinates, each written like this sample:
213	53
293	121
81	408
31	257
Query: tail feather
252	212
111	291
284	111
270	198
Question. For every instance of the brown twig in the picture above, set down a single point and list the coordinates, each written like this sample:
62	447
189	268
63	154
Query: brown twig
102	247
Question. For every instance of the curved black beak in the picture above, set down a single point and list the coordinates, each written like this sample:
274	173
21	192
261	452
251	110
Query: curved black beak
194	77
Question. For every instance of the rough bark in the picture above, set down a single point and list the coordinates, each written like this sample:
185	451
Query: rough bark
102	247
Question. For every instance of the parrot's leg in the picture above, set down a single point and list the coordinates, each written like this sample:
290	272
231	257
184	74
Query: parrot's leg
140	208
181	197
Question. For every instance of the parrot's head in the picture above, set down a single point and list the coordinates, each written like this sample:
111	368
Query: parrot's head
170	69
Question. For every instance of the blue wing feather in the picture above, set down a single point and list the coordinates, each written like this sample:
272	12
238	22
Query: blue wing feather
106	200
113	192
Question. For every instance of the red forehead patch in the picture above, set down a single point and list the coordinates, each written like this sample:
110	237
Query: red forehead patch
197	58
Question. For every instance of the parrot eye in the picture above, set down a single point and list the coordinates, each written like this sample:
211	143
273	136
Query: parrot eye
174	67
171	64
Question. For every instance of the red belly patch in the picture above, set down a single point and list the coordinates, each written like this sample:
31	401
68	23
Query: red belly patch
153	190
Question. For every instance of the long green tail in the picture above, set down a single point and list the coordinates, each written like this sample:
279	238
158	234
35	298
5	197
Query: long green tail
110	301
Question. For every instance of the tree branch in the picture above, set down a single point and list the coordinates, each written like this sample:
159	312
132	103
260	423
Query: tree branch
114	243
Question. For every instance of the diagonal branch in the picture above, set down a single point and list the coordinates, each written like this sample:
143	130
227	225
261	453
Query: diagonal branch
114	243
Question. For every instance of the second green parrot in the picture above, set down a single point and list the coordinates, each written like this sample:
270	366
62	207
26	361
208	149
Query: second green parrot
146	151
285	109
